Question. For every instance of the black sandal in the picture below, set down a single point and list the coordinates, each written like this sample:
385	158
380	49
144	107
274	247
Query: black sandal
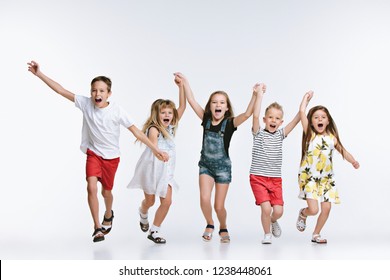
225	238
107	228
154	236
98	235
208	235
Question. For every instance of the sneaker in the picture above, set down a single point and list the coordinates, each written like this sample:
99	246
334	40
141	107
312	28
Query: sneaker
276	230
267	239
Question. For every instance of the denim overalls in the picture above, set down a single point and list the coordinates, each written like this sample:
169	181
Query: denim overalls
214	161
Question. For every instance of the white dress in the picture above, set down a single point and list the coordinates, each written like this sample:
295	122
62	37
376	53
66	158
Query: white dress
152	175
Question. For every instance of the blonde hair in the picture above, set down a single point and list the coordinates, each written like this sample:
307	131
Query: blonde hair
276	106
154	119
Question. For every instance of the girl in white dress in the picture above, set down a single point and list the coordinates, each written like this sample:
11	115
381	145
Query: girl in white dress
153	177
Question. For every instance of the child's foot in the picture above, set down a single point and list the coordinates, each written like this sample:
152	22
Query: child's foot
267	239
98	235
224	235
156	238
143	221
316	238
208	233
107	223
275	229
301	222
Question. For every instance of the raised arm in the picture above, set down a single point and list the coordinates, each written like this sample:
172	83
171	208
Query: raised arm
258	91
34	68
246	115
190	96
182	97
297	118
302	109
153	146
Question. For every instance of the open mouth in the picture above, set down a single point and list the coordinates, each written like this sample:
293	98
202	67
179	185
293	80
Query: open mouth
272	125
98	99
218	110
166	121
320	125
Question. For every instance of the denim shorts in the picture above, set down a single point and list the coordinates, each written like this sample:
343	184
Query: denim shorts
220	170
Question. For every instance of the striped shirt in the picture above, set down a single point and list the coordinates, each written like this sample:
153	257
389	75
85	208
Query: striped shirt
267	153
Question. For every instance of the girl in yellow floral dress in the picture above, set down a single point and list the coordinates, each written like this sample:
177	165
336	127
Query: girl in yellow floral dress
316	177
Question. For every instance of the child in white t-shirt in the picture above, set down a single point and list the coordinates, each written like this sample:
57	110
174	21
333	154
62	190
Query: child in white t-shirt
100	141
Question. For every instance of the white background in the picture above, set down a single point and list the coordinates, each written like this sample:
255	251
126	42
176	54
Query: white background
339	49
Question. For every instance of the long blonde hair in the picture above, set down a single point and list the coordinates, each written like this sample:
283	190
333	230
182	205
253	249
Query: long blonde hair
331	128
154	119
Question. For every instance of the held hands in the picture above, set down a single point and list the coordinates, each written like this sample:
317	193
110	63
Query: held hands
163	156
259	88
178	79
33	67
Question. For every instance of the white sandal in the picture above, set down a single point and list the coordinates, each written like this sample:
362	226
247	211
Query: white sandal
301	222
316	238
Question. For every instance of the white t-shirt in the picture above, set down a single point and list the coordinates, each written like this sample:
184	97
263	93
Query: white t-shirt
101	127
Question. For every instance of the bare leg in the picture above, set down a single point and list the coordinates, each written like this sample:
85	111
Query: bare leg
108	200
277	212
323	217
206	184
163	209
147	203
266	216
93	201
219	205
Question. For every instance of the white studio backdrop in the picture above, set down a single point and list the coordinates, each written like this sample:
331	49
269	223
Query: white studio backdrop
338	49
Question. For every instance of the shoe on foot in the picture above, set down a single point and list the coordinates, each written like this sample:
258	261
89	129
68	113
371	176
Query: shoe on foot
143	221
301	222
267	239
156	238
316	238
98	235
107	228
208	235
224	238
275	229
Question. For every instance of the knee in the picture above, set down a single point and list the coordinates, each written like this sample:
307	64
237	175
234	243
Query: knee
149	202
277	213
311	211
219	208
106	193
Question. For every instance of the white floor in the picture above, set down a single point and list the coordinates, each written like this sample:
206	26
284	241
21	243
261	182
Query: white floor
181	245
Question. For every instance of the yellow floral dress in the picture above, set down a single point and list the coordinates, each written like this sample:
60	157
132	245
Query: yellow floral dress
316	177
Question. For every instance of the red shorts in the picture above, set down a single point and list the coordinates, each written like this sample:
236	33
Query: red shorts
267	189
103	169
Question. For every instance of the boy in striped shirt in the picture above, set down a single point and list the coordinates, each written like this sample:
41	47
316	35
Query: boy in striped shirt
266	166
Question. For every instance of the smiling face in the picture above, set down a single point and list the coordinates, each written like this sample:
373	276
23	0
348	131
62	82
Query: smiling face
320	121
100	93
273	119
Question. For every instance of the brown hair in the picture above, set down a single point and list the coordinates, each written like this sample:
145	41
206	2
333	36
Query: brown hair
104	79
331	128
229	113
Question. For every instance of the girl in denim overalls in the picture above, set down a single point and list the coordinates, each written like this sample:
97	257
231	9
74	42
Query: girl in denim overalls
219	124
153	177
